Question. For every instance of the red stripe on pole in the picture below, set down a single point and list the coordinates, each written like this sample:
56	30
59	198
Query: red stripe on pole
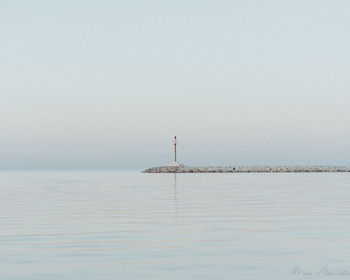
175	146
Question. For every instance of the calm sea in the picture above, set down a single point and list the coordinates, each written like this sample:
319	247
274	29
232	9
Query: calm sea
129	225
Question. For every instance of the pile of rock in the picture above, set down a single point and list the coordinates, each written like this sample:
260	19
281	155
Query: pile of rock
245	169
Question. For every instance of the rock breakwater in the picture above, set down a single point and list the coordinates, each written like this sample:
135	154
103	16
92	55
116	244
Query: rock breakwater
246	169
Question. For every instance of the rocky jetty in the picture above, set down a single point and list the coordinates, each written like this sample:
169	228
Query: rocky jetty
245	169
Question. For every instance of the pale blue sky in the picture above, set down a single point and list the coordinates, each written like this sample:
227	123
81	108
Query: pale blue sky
94	84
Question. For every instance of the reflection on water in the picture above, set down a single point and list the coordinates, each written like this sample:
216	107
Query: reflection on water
129	225
175	199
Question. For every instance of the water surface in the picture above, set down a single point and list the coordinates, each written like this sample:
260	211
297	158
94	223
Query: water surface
129	225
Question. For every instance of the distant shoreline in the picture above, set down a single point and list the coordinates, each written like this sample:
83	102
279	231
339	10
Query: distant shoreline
247	169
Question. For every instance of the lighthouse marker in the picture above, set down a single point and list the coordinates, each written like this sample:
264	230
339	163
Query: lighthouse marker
175	142
175	163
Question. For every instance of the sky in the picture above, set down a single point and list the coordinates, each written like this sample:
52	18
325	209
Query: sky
107	84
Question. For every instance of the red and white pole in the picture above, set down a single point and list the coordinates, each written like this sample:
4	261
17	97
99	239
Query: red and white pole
175	142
